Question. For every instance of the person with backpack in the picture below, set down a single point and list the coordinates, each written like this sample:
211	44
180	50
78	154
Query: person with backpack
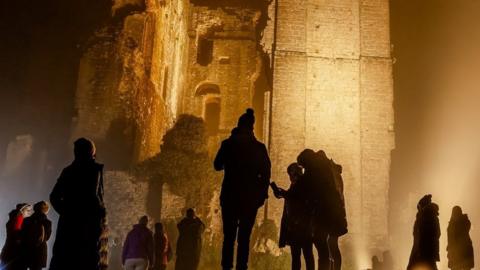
323	201
339	225
35	233
163	249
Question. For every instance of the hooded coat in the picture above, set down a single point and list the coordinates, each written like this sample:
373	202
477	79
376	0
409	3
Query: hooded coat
426	235
78	198
189	243
460	249
36	231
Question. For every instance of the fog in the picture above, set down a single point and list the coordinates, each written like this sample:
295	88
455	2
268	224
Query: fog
436	46
437	89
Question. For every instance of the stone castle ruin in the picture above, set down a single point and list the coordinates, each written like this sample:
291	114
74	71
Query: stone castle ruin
317	72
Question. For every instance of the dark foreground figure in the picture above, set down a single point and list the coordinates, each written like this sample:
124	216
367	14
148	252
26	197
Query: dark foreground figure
163	249
189	243
460	249
325	204
244	188
295	229
9	257
77	197
426	235
36	231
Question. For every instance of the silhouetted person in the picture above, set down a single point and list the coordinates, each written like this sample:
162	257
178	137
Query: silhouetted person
162	248
138	249
295	228
323	201
10	255
460	249
244	189
78	198
189	243
377	265
36	231
339	222
426	234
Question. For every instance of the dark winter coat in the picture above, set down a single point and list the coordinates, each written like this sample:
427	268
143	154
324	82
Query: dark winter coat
295	227
139	244
247	171
11	250
426	235
78	198
460	249
162	250
36	231
323	200
339	219
189	243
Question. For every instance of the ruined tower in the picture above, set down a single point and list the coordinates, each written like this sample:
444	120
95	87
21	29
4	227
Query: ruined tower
322	68
332	90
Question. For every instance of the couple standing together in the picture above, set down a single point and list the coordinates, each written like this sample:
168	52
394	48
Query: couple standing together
318	202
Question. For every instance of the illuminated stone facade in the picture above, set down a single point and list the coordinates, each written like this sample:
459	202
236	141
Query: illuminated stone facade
331	78
332	90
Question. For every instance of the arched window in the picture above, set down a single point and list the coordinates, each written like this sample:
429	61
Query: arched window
210	95
211	115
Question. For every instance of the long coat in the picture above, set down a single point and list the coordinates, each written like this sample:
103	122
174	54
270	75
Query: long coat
295	229
11	250
189	243
36	231
426	235
460	249
78	199
247	171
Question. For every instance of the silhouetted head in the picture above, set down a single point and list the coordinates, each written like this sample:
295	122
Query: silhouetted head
457	212
41	207
143	221
306	158
247	120
158	227
375	260
190	213
84	149
424	201
294	171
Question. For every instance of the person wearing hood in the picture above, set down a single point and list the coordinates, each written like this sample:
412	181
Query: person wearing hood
9	257
426	235
189	243
459	249
77	197
138	249
36	231
246	167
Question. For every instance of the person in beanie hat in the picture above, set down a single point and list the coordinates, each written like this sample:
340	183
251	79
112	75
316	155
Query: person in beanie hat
246	165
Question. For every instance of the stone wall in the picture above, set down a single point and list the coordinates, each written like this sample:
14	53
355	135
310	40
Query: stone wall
333	90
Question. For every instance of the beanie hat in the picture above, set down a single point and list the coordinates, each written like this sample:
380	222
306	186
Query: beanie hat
247	120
